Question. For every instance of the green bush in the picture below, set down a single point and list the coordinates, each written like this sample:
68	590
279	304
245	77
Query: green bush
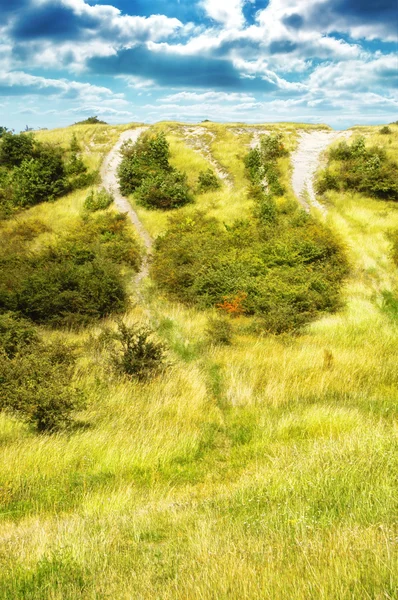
286	272
35	378
91	121
261	164
147	157
208	181
385	130
99	200
219	330
40	178
75	281
358	168
16	334
165	190
135	351
14	148
145	169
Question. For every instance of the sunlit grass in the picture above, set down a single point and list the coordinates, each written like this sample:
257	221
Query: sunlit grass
262	470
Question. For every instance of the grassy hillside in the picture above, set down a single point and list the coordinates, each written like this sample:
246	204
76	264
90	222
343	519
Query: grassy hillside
264	469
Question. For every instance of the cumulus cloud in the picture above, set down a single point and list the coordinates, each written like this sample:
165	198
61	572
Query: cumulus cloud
357	75
228	13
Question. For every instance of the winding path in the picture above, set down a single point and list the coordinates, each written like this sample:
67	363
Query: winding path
305	162
110	183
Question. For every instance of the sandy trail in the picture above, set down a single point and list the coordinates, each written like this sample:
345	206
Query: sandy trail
305	162
110	183
195	138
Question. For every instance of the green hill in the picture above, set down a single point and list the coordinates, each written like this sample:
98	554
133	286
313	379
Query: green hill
252	453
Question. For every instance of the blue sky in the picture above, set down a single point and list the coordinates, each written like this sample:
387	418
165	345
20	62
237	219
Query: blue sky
331	61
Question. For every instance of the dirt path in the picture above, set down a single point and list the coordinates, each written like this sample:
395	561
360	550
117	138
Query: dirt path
109	180
195	138
305	162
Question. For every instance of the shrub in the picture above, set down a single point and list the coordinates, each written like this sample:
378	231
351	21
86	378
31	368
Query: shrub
145	169
165	190
219	330
147	157
91	121
272	147
36	383
99	200
77	280
39	178
16	334
385	130
261	164
15	148
286	274
136	353
208	181
356	167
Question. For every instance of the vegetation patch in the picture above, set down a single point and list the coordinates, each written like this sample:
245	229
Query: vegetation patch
286	273
35	378
135	351
74	281
32	172
208	181
146	171
362	169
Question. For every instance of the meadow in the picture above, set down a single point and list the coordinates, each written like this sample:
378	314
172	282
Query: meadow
265	469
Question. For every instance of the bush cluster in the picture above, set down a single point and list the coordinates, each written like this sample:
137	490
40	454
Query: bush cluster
145	170
35	378
208	181
286	272
75	281
361	169
33	172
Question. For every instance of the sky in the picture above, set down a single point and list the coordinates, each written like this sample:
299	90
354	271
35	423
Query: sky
253	61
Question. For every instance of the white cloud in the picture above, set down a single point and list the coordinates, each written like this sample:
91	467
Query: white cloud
227	12
34	84
207	97
357	75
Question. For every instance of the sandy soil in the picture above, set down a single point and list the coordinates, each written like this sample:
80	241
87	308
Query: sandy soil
305	162
109	181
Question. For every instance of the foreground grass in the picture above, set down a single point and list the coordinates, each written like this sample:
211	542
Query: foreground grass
263	470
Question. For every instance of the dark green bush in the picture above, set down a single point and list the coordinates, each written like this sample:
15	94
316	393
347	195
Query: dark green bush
40	178
16	334
135	351
91	121
208	181
286	272
165	190
385	130
358	168
145	169
36	382
14	148
261	164
99	200
147	157
74	282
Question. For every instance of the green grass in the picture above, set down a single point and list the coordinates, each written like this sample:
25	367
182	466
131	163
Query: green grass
262	470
